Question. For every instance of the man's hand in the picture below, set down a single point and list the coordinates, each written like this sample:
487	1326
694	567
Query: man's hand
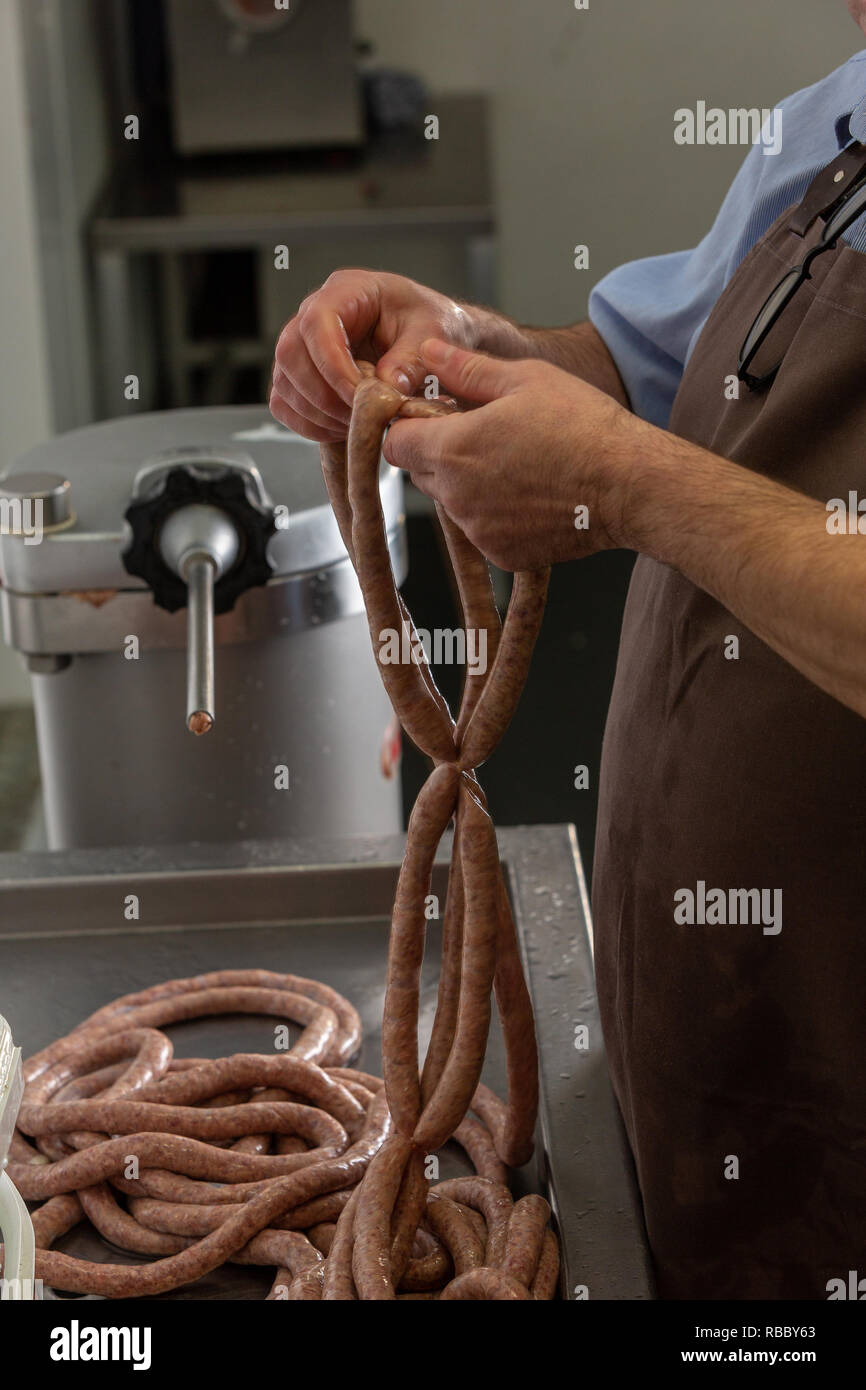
357	313
384	319
533	474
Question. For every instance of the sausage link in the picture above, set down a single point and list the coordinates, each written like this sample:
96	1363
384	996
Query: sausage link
480	613
475	1138
514	1136
350	1021
430	815
422	713
525	1237
485	1283
448	994
547	1275
480	866
55	1218
409	1208
338	1283
427	1272
371	1263
456	1233
322	1235
507	676
492	1200
306	1286
121	1228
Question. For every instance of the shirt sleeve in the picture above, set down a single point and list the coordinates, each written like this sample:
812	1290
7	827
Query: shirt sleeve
646	317
651	312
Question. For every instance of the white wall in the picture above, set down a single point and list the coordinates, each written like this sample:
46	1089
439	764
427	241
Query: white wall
583	106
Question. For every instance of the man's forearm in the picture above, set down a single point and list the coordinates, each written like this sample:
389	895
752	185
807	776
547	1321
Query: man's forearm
577	348
761	549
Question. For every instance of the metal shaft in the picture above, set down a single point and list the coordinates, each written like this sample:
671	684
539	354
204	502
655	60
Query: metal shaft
199	574
200	544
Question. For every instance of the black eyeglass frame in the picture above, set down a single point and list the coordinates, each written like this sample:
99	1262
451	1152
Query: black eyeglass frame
852	206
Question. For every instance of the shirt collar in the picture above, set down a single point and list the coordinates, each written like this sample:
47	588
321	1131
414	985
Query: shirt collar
852	126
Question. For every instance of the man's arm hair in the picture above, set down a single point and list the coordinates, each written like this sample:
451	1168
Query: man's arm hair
577	348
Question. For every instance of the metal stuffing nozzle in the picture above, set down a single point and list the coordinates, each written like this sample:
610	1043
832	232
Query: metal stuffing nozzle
199	543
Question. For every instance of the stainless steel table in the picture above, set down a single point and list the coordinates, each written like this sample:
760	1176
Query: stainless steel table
321	909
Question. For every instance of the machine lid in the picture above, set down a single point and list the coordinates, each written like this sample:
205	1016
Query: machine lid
100	464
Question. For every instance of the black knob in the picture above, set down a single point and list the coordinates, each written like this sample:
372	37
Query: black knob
215	484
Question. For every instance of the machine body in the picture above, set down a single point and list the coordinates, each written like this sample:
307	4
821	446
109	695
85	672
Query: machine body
253	628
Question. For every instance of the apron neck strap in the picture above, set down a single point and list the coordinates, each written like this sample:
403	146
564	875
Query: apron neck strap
829	188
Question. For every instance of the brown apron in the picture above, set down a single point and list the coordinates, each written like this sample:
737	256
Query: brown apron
738	1055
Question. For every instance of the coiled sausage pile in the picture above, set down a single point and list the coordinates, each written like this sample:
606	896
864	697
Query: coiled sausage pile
253	1158
297	1160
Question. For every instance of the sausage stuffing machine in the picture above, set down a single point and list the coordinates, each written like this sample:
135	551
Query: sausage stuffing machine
181	573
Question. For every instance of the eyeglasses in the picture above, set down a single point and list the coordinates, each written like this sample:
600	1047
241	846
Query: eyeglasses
848	211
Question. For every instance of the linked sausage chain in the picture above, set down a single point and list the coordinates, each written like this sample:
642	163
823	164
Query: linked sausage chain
296	1160
479	943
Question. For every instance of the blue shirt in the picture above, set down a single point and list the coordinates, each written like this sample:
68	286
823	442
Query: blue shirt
650	313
